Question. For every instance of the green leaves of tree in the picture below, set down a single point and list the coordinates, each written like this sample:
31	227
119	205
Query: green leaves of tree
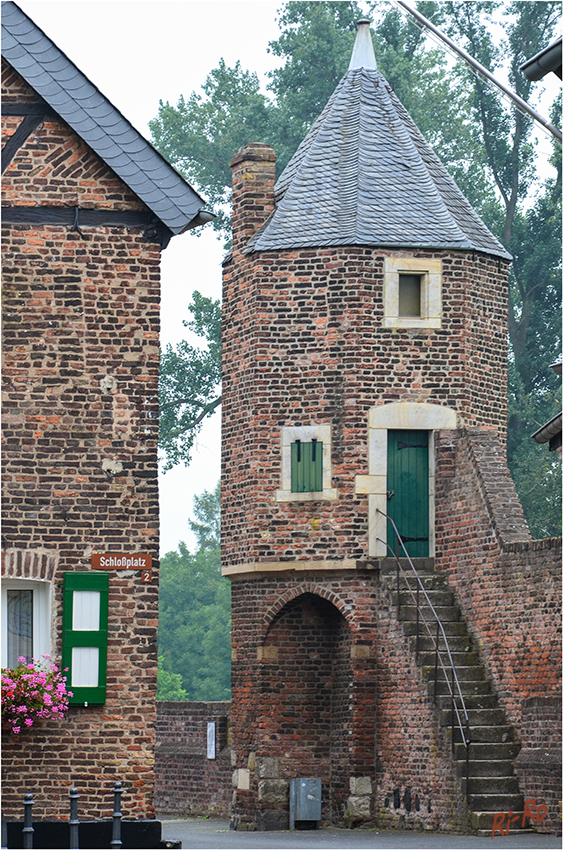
194	632
200	135
189	385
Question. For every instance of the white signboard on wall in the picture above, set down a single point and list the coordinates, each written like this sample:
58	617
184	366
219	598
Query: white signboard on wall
211	740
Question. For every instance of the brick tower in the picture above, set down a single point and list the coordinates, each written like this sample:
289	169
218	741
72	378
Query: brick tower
364	340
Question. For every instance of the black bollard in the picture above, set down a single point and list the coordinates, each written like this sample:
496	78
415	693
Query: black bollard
73	822
116	835
27	827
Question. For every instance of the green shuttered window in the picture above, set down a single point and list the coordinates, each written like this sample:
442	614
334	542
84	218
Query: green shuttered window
306	467
85	635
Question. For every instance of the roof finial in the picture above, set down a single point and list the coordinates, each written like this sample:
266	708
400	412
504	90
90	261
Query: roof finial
363	55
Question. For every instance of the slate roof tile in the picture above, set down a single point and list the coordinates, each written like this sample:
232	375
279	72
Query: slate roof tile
365	175
85	109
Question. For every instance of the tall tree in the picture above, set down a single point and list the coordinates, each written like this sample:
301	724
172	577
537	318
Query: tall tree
190	379
194	623
527	219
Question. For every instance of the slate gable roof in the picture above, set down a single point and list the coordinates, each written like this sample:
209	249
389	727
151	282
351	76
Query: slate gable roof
365	175
98	123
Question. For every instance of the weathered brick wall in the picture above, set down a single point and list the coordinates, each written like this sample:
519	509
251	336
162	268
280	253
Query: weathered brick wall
80	420
324	685
538	764
509	586
187	782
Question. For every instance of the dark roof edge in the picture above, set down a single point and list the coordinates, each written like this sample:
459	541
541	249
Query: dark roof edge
395	246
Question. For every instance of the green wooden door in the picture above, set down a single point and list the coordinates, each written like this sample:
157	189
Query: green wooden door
407	490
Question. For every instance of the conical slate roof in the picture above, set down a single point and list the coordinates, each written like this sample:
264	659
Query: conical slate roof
365	175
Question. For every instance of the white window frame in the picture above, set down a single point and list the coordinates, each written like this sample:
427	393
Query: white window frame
430	272
41	615
306	433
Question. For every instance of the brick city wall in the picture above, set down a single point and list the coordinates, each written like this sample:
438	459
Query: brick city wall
324	685
80	421
508	586
303	343
538	764
188	783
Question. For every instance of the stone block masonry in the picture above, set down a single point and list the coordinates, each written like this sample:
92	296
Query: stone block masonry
79	455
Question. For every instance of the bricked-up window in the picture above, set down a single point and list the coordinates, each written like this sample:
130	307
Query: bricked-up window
306	467
25	620
85	635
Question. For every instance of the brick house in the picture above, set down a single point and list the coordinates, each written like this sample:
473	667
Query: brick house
87	207
364	381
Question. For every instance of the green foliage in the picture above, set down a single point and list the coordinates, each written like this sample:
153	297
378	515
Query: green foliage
530	231
189	384
169	685
200	135
194	621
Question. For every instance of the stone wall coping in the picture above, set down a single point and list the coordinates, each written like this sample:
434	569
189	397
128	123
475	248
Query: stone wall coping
259	568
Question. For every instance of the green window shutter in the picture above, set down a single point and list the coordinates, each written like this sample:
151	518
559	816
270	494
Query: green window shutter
306	467
85	635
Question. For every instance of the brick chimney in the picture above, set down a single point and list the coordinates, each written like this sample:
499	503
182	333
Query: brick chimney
253	190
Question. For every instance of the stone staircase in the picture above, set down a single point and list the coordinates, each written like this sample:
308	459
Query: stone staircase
493	787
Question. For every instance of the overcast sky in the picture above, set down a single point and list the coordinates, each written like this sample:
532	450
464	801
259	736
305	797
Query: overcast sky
138	53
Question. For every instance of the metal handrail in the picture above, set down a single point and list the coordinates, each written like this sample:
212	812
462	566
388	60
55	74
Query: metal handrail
465	733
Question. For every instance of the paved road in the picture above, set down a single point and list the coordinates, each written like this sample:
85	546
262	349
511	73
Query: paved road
202	834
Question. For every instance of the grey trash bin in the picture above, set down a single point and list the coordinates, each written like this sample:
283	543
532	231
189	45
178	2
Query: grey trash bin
305	800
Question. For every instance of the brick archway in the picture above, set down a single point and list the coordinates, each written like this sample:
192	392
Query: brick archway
293	593
308	683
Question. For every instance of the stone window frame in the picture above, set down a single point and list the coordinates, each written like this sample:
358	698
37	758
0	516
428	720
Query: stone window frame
410	416
306	433
42	638
430	272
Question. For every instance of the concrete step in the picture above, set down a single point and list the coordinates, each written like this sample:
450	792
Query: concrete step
423	566
439	598
460	659
486	734
473	688
496	803
446	613
482	822
459	644
472	701
479	785
431	581
478	717
484	752
452	628
490	767
471	673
